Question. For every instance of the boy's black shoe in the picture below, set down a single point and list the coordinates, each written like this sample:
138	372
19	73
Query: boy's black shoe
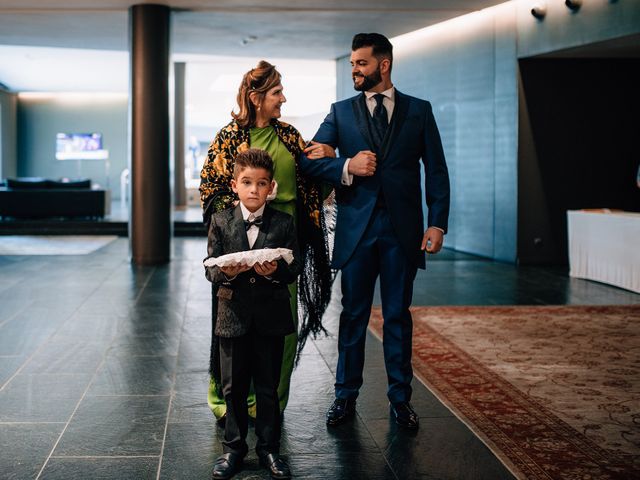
340	411
226	466
277	467
404	415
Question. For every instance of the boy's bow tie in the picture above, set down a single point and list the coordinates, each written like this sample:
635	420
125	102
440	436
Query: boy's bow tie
250	223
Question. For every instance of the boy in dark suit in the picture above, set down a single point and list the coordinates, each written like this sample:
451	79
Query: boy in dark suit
254	313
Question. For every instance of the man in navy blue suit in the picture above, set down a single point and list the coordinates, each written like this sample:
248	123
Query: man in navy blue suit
382	135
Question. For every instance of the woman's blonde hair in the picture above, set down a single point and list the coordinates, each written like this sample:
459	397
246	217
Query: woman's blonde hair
259	80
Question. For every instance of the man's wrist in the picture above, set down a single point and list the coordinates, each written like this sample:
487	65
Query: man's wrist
347	178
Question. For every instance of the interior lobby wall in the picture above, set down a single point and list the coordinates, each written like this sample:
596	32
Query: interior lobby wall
40	118
562	28
8	143
468	69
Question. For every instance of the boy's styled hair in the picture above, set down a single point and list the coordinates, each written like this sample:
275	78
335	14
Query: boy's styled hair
382	47
253	158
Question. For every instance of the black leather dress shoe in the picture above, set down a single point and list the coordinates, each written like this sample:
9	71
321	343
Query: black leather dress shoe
226	466
404	415
340	411
277	467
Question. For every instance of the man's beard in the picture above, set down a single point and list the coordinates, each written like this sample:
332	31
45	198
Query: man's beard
369	81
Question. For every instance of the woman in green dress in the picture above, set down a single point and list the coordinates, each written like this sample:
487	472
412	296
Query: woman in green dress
256	125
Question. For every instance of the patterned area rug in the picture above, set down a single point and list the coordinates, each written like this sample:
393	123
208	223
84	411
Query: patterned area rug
52	244
553	391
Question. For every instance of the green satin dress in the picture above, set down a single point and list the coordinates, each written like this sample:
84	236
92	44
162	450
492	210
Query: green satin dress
285	176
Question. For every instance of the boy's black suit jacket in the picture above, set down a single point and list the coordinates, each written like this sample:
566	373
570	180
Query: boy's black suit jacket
252	300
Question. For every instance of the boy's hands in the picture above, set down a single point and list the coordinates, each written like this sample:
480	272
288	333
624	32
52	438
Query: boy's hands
233	271
265	268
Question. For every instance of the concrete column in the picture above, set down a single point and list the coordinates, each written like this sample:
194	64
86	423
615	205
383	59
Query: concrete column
150	215
179	188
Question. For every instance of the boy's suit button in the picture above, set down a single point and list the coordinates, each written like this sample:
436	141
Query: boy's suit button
252	280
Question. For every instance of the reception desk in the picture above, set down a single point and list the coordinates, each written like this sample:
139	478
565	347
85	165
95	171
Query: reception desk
605	246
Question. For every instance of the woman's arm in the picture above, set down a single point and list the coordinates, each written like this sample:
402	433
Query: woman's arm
328	169
315	150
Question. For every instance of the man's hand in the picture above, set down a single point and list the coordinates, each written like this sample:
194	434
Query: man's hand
233	271
317	150
432	240
266	268
363	164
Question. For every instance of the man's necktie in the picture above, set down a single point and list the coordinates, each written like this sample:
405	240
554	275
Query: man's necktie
380	118
257	221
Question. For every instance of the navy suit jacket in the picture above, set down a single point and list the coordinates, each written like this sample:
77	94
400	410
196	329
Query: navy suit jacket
412	136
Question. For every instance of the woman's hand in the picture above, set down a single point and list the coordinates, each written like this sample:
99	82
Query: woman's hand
265	268
233	271
315	150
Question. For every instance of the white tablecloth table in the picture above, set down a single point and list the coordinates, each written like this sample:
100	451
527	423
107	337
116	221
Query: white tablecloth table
605	246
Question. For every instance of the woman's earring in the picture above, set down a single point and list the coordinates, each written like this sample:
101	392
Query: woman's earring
258	107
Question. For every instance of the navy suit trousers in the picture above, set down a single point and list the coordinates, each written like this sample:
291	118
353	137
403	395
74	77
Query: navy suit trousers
378	254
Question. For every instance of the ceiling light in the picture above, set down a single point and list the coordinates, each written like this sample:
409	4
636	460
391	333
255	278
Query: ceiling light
539	10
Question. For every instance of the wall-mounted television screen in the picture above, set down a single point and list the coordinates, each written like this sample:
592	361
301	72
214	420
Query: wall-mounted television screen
80	146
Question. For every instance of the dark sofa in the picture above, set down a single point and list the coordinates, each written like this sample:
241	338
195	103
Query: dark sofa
34	197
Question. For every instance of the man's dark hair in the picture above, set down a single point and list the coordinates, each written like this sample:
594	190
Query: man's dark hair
253	158
382	47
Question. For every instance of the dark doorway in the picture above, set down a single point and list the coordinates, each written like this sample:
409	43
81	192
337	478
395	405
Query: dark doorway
579	141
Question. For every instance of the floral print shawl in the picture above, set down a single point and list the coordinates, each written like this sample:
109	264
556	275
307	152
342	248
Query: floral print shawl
314	285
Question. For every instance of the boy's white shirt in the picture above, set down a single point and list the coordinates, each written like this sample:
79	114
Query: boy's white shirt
252	233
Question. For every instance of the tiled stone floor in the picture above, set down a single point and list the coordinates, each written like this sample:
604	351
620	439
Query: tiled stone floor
103	373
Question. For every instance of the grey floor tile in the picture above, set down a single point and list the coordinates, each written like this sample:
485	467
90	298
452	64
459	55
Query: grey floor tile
89	327
67	355
134	375
107	426
341	466
193	354
25	447
157	343
190	450
442	448
41	398
191	407
24	334
97	468
9	365
306	432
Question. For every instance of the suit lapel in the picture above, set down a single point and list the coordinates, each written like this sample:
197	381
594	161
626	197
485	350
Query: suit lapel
399	114
238	226
262	236
360	111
